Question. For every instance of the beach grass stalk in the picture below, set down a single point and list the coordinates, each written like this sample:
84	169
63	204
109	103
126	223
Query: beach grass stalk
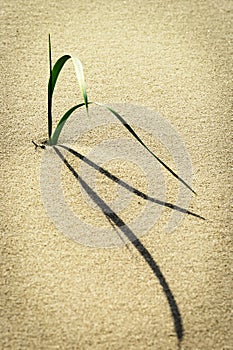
54	137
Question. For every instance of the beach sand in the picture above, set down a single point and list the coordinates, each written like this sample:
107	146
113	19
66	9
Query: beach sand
168	290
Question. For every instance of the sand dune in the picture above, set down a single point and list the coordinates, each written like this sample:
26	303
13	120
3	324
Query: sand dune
163	290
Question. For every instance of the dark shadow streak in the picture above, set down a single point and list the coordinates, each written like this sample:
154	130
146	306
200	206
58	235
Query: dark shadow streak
115	219
127	186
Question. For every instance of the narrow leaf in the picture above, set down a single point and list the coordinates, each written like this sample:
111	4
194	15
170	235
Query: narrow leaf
50	91
56	134
80	75
52	83
56	71
79	72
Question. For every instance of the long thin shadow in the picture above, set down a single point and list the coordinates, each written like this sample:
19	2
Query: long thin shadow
127	186
115	219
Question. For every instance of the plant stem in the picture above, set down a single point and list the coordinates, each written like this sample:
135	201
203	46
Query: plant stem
50	92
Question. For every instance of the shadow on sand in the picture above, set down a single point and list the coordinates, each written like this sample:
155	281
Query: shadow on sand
118	223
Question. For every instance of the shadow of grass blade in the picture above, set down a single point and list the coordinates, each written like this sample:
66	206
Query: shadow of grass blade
128	127
56	134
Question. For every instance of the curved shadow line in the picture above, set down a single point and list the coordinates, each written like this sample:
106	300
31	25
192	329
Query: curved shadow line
127	186
143	251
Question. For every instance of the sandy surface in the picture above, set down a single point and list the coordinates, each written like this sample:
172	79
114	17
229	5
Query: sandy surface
176	58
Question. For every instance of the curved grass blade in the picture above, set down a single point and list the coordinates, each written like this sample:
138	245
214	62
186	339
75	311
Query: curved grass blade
56	71
80	75
53	79
128	127
56	134
79	72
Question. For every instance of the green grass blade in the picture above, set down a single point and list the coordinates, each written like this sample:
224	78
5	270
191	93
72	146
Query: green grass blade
49	91
80	75
52	83
56	134
79	72
55	73
128	127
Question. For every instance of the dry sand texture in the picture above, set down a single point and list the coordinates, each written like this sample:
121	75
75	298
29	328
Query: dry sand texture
176	58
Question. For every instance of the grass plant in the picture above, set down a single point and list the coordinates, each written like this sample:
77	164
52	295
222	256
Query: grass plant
53	137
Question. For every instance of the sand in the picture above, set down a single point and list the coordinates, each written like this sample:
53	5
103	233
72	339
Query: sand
168	290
